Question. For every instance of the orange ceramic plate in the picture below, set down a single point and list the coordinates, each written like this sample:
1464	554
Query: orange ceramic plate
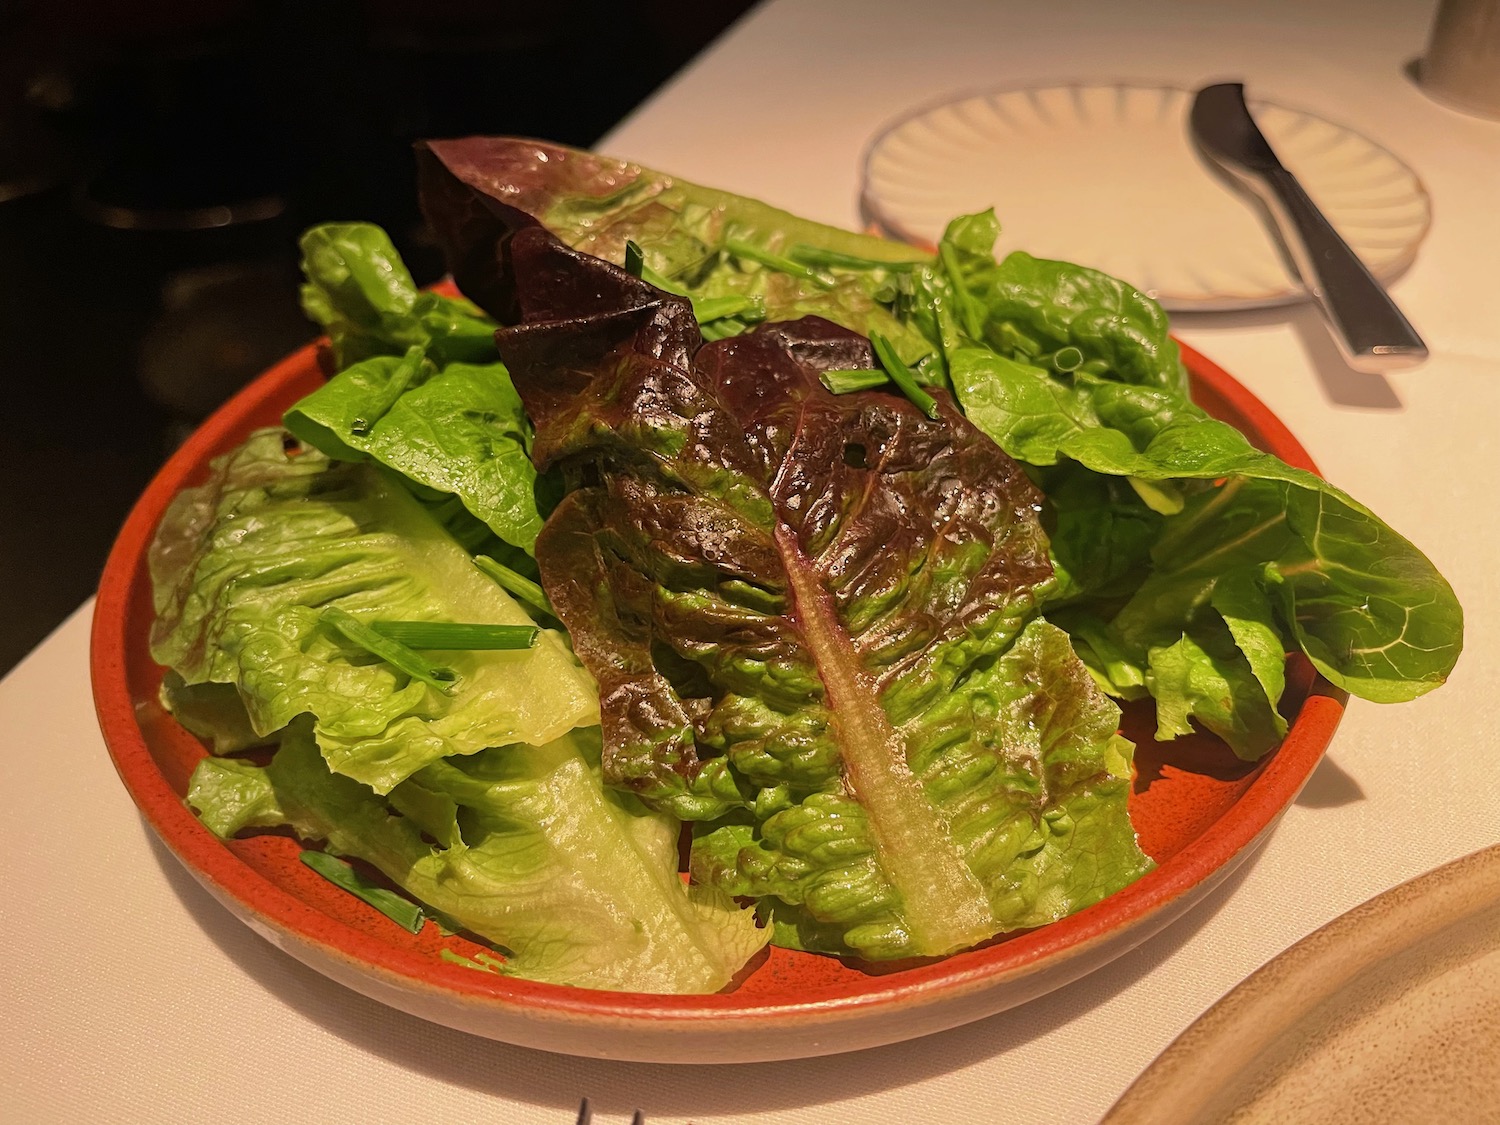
1197	809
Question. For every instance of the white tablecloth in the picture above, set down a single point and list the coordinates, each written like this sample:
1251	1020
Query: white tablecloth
131	996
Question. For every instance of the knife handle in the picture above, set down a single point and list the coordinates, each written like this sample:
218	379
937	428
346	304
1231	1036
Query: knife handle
1370	330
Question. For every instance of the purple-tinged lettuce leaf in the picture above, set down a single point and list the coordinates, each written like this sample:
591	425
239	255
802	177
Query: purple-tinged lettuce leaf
709	243
795	604
1042	820
1053	360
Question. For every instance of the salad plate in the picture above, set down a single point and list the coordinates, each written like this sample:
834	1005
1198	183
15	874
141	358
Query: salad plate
1126	191
1384	1014
1197	809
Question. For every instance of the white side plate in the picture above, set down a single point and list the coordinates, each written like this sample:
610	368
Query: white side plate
1107	176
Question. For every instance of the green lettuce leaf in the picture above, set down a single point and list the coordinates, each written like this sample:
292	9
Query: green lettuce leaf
231	795
1363	603
245	565
213	712
362	294
1101	533
577	885
1057	315
459	431
420	388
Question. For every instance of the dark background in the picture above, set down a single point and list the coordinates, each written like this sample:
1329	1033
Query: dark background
157	160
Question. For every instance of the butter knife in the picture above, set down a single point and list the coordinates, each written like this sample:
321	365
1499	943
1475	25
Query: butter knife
1369	329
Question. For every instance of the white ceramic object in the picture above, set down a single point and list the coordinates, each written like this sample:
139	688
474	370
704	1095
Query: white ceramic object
1107	176
1390	1013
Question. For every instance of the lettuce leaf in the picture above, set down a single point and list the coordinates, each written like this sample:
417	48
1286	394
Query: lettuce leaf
1365	605
362	294
1060	316
244	566
1253	557
707	243
419	389
577	885
795	605
459	431
213	712
1038	814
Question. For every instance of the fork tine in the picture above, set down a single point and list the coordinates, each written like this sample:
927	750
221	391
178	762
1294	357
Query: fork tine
638	1118
585	1113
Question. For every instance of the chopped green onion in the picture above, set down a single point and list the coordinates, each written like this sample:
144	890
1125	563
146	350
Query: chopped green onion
1067	359
394	653
723	327
817	256
456	635
705	309
968	308
517	585
394	388
858	379
635	266
902	376
717	308
408	915
771	260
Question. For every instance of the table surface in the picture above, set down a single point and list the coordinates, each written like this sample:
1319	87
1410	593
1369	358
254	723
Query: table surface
134	997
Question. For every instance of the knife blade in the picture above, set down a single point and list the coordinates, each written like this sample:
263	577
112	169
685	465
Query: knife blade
1371	332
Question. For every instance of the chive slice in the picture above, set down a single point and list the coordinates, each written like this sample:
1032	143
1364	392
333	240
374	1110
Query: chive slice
456	635
807	255
901	375
723	328
717	308
1067	359
968	308
635	266
705	309
408	915
752	253
635	262
518	585
394	653
394	388
845	382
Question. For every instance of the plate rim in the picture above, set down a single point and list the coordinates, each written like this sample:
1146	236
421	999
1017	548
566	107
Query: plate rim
873	217
1133	913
